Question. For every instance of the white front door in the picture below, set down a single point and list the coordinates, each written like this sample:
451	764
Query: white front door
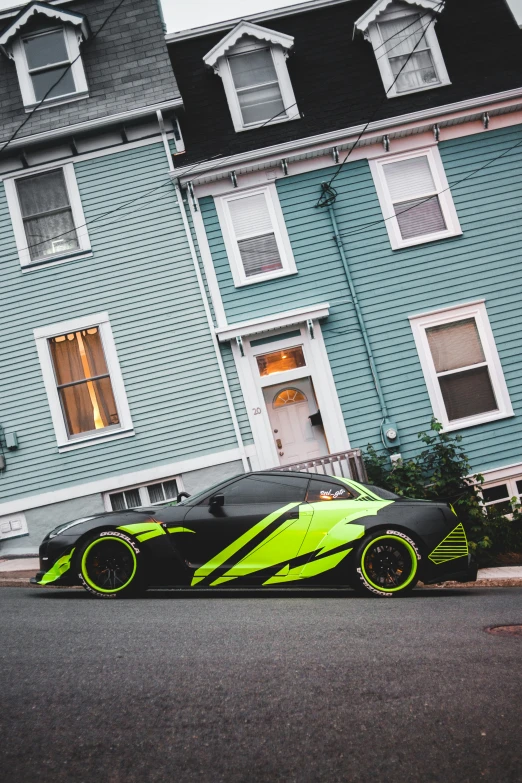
289	407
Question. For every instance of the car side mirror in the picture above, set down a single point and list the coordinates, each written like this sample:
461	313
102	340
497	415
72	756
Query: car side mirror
182	495
217	500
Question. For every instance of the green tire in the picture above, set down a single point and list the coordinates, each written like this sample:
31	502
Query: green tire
110	565
386	564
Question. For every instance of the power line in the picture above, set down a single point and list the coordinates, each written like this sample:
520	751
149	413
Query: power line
365	128
67	69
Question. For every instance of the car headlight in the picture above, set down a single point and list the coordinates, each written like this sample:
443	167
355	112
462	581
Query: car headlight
67	525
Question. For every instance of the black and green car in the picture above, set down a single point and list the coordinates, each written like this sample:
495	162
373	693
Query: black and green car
270	529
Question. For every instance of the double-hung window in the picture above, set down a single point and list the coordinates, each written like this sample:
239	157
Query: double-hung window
503	496
255	235
251	61
49	67
257	86
415	198
47	216
461	366
83	380
406	49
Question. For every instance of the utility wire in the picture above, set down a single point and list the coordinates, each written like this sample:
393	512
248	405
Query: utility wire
195	165
68	68
363	131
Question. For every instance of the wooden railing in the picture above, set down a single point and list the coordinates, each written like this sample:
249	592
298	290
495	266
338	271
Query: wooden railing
348	464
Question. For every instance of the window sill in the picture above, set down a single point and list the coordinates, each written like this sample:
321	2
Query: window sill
419	89
267	123
53	260
474	421
396	245
92	440
77	96
264	278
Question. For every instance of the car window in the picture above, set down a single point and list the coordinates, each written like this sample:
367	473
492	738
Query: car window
328	489
201	497
385	494
276	488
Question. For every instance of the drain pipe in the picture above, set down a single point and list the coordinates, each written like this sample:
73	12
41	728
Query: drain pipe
389	432
206	306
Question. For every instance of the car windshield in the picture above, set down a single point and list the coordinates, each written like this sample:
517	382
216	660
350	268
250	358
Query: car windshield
385	494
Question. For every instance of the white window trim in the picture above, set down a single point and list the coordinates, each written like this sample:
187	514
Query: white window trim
317	368
511	484
419	324
144	496
278	224
376	39
18	223
73	38
441	184
285	85
42	336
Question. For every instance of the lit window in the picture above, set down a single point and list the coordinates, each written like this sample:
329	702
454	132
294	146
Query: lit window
415	198
461	366
251	60
406	47
280	361
83	381
255	235
146	495
47	216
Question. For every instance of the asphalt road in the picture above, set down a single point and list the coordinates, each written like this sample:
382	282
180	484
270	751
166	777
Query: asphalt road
279	687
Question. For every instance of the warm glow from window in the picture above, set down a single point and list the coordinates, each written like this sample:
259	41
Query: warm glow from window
280	361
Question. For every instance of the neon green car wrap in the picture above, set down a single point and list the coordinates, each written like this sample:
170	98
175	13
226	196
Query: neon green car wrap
453	546
143	530
179	530
59	568
316	535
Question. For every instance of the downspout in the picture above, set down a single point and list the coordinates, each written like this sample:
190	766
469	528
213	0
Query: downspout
388	427
219	358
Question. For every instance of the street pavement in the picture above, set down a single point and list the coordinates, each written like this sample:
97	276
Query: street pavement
238	687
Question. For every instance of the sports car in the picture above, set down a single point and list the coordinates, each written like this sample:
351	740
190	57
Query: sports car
270	529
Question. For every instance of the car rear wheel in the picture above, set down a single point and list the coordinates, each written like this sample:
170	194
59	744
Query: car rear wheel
386	563
110	565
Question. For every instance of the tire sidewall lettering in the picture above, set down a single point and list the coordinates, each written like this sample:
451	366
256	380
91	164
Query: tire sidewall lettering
108	534
368	586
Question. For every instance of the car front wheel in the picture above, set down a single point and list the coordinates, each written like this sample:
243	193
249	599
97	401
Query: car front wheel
110	565
386	563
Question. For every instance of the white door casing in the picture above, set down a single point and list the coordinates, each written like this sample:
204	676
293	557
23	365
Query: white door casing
295	438
317	368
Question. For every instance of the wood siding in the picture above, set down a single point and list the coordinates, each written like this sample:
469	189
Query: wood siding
392	285
142	274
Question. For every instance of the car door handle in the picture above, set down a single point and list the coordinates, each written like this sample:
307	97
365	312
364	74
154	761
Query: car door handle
293	514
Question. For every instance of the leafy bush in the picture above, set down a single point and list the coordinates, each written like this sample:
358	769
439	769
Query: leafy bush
441	471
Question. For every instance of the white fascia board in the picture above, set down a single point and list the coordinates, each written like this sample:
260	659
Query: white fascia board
246	28
15	8
67	17
271	322
377	8
286	149
100	122
273	13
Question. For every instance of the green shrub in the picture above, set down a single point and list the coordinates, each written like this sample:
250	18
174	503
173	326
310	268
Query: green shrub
441	471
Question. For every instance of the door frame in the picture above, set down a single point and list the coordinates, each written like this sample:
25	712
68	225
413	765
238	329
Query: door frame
317	368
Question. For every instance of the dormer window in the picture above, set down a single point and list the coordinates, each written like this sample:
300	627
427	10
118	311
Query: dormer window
44	43
405	44
251	60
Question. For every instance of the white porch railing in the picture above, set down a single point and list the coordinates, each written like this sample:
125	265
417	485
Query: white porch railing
347	464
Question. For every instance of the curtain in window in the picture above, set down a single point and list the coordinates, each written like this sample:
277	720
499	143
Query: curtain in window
257	86
455	345
47	215
87	404
402	37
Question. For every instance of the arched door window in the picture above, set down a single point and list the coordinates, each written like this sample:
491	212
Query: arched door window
288	397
